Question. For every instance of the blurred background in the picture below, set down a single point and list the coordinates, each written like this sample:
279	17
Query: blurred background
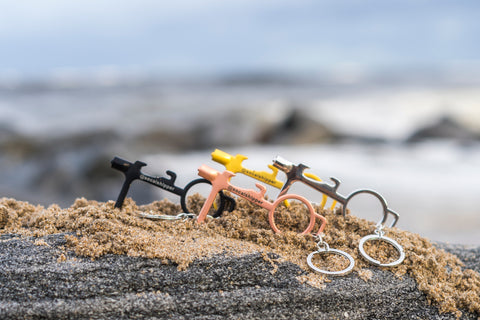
379	94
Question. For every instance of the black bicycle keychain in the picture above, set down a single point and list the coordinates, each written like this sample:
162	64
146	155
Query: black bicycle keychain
133	172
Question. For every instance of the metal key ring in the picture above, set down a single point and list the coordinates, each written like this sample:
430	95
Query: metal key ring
164	216
334	251
395	244
179	216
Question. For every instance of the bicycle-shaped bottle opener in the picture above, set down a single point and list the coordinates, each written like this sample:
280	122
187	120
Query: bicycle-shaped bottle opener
133	172
221	181
295	173
234	164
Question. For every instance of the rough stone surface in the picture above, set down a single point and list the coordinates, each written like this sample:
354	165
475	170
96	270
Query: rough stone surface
40	280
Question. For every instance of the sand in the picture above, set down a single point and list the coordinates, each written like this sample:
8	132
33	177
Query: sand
97	229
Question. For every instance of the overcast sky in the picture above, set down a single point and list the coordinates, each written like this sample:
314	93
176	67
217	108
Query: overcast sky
182	36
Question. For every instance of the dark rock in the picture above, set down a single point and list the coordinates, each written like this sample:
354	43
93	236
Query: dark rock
36	285
469	255
445	128
297	128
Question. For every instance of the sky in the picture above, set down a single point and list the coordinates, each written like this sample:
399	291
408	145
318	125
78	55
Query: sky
214	36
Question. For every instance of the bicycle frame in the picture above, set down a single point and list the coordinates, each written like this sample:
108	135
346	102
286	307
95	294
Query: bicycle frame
295	173
234	164
133	172
221	181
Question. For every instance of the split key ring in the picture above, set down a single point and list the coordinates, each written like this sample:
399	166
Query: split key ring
324	248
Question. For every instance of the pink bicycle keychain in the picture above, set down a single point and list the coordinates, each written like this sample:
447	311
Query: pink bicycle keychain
221	181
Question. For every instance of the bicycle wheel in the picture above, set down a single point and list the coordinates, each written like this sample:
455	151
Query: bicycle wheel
195	194
367	208
299	216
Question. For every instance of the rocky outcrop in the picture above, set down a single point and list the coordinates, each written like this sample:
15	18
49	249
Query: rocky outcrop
40	280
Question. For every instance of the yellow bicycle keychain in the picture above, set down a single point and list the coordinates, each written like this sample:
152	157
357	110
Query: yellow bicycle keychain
234	164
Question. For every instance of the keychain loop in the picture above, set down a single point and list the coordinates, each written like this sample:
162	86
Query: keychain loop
333	251
180	216
381	237
379	230
323	247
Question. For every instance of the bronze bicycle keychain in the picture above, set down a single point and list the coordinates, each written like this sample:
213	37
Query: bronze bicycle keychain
221	181
133	172
295	173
